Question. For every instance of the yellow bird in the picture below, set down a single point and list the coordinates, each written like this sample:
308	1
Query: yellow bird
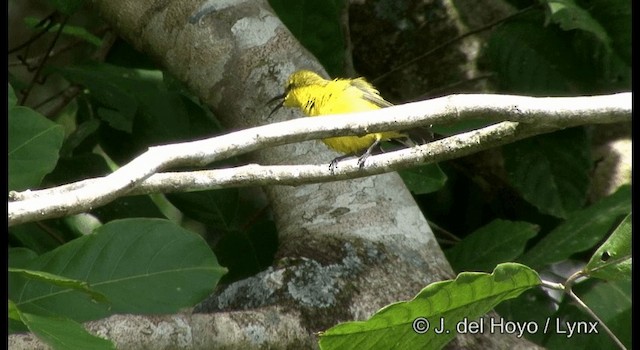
316	96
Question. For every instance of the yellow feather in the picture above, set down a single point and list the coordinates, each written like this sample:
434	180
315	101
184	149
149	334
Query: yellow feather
316	96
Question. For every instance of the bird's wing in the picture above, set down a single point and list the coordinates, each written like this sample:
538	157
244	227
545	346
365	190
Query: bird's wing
369	93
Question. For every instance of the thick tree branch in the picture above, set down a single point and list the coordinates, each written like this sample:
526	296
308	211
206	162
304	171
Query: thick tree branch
537	115
193	331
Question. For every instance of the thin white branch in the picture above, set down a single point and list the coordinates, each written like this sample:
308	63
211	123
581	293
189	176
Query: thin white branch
293	175
542	115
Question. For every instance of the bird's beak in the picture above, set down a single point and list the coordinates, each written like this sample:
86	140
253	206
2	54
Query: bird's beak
279	105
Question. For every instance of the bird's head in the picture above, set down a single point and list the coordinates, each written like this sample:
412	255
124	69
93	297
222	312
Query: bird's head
293	95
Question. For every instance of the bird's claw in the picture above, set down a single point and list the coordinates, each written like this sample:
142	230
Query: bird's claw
361	160
333	165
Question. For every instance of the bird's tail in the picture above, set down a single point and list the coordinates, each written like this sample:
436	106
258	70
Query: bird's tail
412	137
417	136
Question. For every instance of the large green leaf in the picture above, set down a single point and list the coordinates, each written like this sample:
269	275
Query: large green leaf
34	237
532	306
571	16
529	58
129	91
607	20
551	171
60	281
613	259
135	105
424	179
34	143
585	49
114	87
243	241
413	324
19	257
59	333
497	242
601	38
611	301
140	265
581	231
607	299
615	17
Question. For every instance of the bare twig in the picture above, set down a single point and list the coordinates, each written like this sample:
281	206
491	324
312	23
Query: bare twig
70	93
41	64
568	289
48	21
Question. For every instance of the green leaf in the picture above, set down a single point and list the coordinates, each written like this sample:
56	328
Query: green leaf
613	259
113	87
571	16
316	24
140	265
12	99
34	237
561	338
607	299
615	17
82	132
588	52
135	101
551	171
424	179
76	168
68	7
609	71
497	242
19	257
14	313
603	41
468	297
532	306
581	231
531	59
75	31
611	301
116	119
129	207
60	333
215	208
64	334
15	320
34	143
242	243
60	281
